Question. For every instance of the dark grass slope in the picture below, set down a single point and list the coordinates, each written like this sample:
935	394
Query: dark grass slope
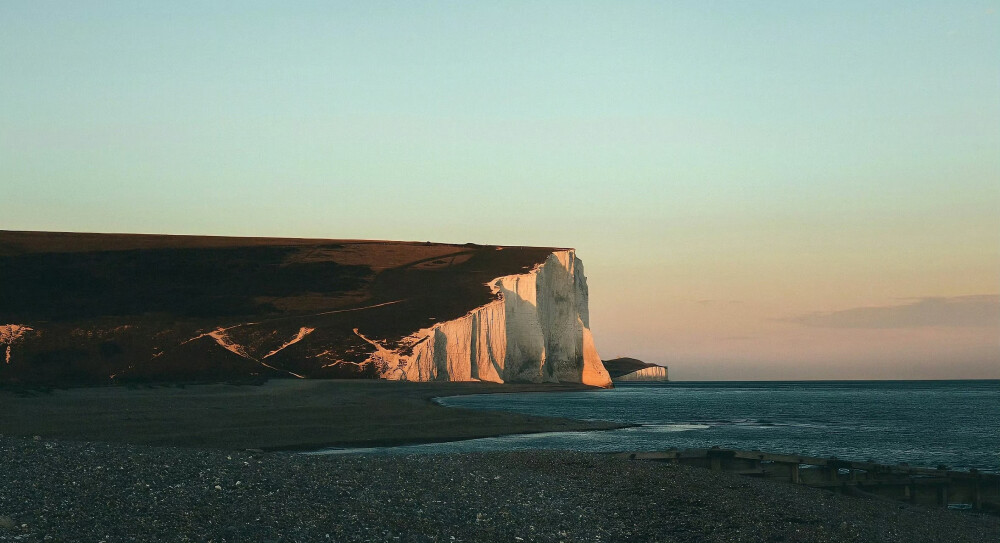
183	282
124	307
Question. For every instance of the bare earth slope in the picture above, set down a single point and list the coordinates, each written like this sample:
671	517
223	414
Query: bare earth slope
91	308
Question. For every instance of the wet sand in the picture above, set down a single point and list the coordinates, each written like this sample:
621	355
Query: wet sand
281	414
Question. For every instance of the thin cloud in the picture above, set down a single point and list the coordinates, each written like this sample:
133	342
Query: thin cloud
718	302
958	311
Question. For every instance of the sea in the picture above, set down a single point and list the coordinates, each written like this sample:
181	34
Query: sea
921	423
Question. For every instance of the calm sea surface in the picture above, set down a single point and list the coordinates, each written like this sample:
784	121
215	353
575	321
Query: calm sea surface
923	423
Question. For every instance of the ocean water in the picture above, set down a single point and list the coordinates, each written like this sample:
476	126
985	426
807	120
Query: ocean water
922	423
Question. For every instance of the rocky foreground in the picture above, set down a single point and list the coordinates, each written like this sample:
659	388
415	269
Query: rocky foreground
78	491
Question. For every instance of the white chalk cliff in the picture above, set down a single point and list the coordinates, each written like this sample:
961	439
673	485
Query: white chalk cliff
536	330
651	373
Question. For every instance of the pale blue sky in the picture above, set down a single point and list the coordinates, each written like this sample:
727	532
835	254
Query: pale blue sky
790	157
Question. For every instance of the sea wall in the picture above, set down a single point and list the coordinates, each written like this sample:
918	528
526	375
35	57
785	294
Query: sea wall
537	330
652	373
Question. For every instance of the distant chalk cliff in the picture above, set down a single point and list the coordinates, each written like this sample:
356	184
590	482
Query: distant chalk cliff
653	373
630	369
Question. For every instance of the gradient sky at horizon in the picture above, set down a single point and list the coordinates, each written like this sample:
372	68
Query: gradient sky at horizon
759	190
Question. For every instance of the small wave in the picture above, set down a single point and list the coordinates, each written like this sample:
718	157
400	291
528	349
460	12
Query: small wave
819	425
339	450
758	423
677	427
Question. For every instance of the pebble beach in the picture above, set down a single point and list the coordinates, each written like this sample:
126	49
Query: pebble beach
53	490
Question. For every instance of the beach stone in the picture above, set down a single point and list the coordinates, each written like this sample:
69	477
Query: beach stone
539	496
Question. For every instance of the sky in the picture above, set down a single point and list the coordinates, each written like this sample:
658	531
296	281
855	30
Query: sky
758	190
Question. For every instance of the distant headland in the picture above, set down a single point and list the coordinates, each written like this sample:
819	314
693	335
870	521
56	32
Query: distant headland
624	369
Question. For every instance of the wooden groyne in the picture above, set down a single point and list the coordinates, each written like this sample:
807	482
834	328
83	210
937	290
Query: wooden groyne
925	486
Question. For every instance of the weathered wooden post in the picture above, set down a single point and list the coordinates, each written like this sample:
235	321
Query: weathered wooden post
832	469
942	493
977	491
715	455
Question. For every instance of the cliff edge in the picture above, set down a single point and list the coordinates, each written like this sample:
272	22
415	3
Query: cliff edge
91	308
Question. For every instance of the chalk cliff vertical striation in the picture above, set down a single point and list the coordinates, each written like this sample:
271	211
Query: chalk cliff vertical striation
537	330
652	373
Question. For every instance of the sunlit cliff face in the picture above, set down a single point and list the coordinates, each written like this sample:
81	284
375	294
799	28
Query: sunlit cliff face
537	330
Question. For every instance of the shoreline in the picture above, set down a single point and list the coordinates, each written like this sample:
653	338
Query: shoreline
278	415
